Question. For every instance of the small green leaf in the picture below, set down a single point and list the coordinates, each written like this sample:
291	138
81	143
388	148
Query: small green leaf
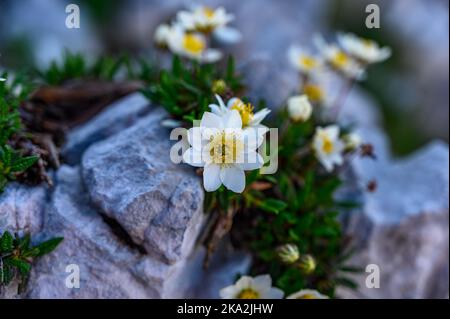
48	246
273	205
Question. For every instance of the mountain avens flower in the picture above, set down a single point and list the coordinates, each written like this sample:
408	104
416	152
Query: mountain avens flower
204	19
162	35
307	294
299	108
259	287
192	45
328	146
340	60
365	50
303	61
307	264
288	253
224	150
245	110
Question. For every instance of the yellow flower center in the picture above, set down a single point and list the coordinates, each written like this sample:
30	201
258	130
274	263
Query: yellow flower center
340	59
208	12
225	147
314	92
327	145
248	294
308	62
245	111
307	296
193	44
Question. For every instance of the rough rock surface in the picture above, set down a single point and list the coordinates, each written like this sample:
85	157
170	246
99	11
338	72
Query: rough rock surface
109	266
131	178
403	225
117	117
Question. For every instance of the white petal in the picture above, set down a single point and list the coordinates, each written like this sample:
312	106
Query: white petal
193	157
233	178
259	116
262	282
227	35
229	292
232	119
222	106
253	137
211	56
215	109
211	120
211	177
252	161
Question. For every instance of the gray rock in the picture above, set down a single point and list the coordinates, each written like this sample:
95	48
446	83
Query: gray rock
22	208
132	180
109	266
117	117
403	225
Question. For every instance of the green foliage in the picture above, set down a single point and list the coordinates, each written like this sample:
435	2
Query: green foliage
17	254
11	163
186	90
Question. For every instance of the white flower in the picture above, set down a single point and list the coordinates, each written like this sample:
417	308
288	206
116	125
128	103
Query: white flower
299	108
224	150
162	34
307	294
303	61
192	45
340	60
365	50
259	287
352	141
227	35
328	146
2	79
248	117
204	19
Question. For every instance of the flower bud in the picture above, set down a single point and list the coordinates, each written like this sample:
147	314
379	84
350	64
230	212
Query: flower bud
352	141
307	264
288	253
219	87
299	108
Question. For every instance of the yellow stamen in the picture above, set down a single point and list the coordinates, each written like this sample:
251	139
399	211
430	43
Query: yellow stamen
307	296
308	62
327	145
209	13
224	148
248	294
193	44
245	110
314	92
340	59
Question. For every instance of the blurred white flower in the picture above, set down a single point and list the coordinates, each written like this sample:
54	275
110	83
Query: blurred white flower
303	61
340	60
288	253
259	287
366	50
204	19
162	34
224	150
2	79
249	118
307	294
227	35
352	141
192	45
328	146
299	108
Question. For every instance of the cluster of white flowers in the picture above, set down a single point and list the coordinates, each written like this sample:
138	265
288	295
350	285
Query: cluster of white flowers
225	144
260	287
189	34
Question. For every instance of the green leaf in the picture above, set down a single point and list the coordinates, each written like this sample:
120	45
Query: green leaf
273	205
23	163
6	242
48	246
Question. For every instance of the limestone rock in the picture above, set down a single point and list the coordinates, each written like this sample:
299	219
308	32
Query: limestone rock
132	180
117	117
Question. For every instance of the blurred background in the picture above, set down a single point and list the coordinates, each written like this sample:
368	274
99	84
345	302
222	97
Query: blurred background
411	88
